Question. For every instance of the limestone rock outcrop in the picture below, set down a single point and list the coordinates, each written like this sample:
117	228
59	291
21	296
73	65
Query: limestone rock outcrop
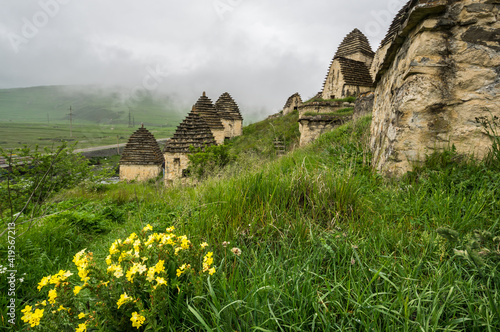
436	71
142	158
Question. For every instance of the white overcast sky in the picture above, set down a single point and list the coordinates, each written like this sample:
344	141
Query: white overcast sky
260	51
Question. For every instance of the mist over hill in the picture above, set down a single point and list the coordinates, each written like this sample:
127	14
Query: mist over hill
90	104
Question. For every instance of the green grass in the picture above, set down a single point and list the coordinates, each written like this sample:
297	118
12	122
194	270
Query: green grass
87	135
258	138
346	100
327	245
342	112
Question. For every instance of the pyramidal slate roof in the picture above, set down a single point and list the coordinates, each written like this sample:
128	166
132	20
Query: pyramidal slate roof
206	109
355	72
292	98
398	21
142	149
227	108
354	42
193	131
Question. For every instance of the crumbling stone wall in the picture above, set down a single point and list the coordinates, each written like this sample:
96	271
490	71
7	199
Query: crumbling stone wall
311	127
436	71
175	165
323	107
292	104
363	105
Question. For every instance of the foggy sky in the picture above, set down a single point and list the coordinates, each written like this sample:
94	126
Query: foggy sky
259	51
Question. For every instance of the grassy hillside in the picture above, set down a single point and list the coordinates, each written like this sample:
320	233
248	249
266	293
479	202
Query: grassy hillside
14	135
50	104
326	244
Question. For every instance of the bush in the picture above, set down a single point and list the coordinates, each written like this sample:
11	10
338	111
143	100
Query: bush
213	158
146	282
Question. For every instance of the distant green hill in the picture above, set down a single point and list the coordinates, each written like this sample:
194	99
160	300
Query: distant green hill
90	104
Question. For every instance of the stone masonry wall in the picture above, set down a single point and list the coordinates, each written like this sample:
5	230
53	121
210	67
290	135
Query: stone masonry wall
219	135
175	163
440	72
232	128
139	173
311	127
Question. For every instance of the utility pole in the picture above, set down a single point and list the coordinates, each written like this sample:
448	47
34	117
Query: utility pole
70	122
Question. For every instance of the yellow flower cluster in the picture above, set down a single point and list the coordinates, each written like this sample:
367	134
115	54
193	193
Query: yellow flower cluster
81	261
136	268
55	279
137	320
81	328
124	298
143	259
33	318
208	260
183	268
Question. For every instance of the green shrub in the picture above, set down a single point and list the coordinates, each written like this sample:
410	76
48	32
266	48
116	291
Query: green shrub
208	161
146	281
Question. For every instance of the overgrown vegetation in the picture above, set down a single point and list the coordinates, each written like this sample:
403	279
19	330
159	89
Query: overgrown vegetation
33	175
346	100
326	244
341	112
258	138
209	161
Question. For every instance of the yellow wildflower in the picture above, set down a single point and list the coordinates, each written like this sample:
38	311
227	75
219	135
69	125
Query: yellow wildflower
211	271
159	267
32	317
27	313
207	261
160	281
147	228
184	242
81	328
130	273
170	229
124	298
151	239
137	320
77	290
81	315
151	274
44	282
113	249
108	260
62	308
182	269
204	245
83	274
52	296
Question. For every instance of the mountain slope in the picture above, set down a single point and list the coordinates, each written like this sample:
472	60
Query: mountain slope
90	104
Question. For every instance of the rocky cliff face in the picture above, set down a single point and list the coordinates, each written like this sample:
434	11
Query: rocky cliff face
436	71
